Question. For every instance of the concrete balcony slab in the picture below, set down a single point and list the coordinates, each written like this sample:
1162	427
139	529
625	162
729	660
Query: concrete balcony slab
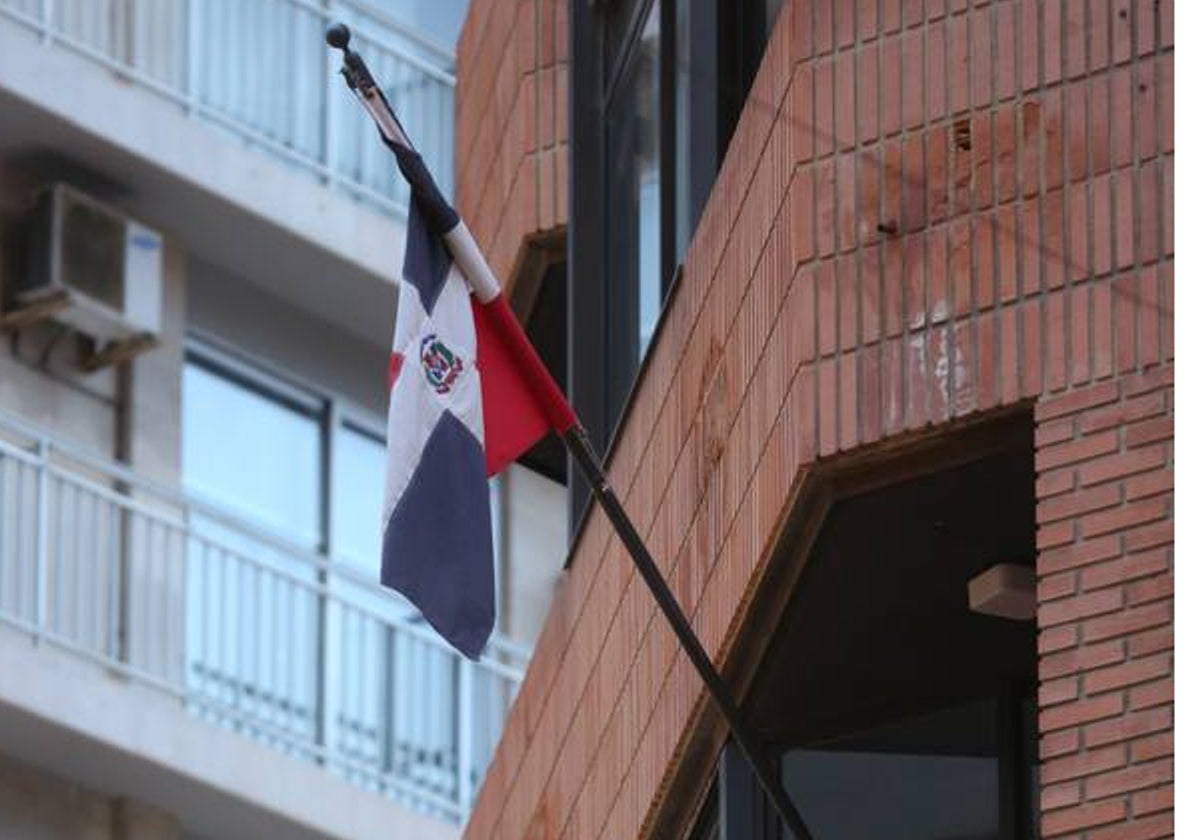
80	720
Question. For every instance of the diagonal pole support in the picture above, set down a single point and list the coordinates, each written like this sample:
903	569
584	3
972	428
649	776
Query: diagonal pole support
581	450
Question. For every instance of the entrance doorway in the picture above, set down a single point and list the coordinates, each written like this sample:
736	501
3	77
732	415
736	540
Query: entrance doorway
897	710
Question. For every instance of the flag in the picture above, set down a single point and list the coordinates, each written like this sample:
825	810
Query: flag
468	395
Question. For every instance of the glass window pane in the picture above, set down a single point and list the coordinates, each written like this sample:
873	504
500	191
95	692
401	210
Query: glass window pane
252	616
934	777
251	453
358	489
698	88
649	258
684	223
648	168
634	199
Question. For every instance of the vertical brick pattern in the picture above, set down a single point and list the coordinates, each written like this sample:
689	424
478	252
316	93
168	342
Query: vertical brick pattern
929	210
1105	462
511	126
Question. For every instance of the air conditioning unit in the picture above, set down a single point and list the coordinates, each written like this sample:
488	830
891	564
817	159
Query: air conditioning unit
102	269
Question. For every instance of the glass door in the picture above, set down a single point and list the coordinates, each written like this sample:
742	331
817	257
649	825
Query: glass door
253	610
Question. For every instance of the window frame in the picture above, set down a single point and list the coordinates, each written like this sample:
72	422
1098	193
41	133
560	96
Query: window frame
621	331
602	373
331	412
743	809
595	357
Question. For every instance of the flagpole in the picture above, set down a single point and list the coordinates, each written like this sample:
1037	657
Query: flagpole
585	456
466	252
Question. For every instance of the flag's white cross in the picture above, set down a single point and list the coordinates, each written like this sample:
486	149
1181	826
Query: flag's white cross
416	402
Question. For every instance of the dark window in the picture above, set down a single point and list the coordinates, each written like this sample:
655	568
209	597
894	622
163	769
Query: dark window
547	329
895	709
657	89
948	774
697	133
634	205
744	29
931	777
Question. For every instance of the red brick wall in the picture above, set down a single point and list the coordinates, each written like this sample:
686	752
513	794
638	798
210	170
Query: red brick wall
1027	262
511	126
1105	490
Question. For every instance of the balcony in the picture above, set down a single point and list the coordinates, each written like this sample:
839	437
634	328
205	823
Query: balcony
259	71
243	629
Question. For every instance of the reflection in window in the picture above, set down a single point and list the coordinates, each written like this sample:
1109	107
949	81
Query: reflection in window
250	452
935	777
252	613
649	259
685	90
358	488
672	78
634	197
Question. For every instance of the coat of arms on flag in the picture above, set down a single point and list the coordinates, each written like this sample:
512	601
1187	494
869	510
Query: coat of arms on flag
442	367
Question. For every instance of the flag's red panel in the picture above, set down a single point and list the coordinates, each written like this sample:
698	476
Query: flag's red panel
394	364
513	419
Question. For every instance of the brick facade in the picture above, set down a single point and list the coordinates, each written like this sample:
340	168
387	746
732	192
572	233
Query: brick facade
1105	588
511	127
929	211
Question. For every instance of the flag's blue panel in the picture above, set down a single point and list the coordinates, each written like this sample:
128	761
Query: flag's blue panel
426	196
426	260
437	547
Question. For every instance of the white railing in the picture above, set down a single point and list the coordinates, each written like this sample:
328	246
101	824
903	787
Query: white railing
247	630
260	70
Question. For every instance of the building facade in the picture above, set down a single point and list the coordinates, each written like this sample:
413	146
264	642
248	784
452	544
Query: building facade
871	304
199	241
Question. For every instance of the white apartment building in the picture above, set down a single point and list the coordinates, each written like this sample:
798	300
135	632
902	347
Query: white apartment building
199	241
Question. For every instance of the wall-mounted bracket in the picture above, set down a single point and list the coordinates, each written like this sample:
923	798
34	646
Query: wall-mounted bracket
34	312
115	352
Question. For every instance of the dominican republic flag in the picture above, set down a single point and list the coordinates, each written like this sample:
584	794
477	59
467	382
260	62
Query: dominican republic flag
469	395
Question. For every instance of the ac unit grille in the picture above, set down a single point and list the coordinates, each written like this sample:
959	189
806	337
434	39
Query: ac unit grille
93	254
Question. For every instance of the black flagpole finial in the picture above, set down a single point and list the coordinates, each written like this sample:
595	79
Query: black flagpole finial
353	69
338	36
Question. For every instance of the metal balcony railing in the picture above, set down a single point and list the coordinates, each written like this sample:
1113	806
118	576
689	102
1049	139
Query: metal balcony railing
243	628
260	70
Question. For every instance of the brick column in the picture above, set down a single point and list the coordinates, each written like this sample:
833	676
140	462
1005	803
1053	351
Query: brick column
1105	463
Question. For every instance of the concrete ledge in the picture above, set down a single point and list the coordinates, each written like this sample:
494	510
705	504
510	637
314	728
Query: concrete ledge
122	738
